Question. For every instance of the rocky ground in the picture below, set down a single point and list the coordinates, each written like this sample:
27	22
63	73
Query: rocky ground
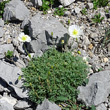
23	16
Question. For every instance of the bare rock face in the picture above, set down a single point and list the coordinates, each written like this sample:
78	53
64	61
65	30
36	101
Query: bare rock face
66	2
1	32
47	29
4	48
15	10
101	107
47	105
21	105
10	73
1	27
97	90
4	105
1	23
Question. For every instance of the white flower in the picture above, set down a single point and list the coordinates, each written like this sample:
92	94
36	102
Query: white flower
75	31
24	38
85	58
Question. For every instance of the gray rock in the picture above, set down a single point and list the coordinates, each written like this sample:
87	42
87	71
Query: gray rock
42	28
37	2
109	104
67	13
101	107
38	53
21	105
4	105
97	90
15	10
93	35
90	5
74	45
108	47
77	10
86	41
1	23
19	63
66	2
29	109
10	73
107	68
1	31
21	48
15	42
25	23
4	48
37	46
1	28
46	105
1	88
96	66
10	100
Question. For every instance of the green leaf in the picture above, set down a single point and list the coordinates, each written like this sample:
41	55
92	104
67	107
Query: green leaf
93	107
19	78
47	3
62	98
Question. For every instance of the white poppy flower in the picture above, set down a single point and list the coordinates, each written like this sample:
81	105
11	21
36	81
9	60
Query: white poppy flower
24	38
75	31
85	58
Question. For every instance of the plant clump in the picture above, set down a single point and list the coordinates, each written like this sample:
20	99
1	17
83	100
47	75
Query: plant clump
100	3
47	4
97	18
59	11
55	76
9	54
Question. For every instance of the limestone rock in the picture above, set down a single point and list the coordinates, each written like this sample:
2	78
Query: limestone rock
97	90
21	105
4	105
10	100
10	73
77	10
48	30
101	107
1	27
4	48
1	23
66	2
1	31
15	10
46	105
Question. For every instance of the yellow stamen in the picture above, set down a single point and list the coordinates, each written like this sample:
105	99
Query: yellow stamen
24	38
62	41
75	32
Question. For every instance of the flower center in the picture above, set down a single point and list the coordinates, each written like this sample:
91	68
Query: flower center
75	32
24	38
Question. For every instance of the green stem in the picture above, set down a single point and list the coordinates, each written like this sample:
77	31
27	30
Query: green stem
27	51
29	56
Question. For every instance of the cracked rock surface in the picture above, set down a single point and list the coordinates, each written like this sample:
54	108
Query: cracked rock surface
97	90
